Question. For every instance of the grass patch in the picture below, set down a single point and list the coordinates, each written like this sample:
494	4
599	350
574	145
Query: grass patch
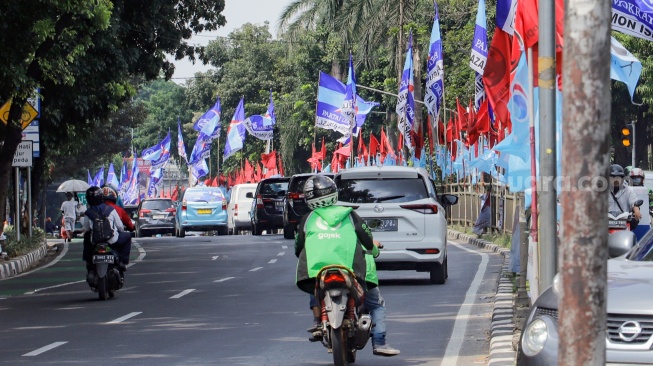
502	240
15	248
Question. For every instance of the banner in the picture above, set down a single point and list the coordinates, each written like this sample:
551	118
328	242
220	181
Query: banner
633	17
435	71
163	158
479	42
348	109
406	101
256	127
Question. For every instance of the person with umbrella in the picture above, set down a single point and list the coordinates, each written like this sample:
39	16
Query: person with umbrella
69	211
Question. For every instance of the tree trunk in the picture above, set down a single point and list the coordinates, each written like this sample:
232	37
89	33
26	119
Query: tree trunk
336	69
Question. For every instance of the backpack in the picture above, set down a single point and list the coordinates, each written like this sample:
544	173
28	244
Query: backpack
102	229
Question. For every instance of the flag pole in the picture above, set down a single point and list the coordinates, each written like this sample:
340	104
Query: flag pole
319	77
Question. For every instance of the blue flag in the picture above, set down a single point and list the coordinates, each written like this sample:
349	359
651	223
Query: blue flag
435	71
348	109
624	66
112	180
123	174
89	180
155	181
199	169
201	150
406	99
131	196
633	17
181	148
98	181
478	57
164	146
330	96
212	119
152	153
506	15
262	127
236	133
270	118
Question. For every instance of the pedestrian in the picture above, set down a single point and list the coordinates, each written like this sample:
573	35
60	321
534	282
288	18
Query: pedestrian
69	211
49	226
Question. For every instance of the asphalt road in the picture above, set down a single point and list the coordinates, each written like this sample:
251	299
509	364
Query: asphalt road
232	301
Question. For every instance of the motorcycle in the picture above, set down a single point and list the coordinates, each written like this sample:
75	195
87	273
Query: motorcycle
345	325
107	278
621	237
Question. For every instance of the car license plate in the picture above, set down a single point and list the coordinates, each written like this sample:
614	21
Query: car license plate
617	224
103	258
204	212
159	217
278	204
382	224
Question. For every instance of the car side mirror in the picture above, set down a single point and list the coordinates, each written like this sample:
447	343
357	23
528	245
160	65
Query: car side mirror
620	242
249	195
449	199
639	203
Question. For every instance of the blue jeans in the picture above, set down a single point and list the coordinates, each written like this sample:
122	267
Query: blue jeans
376	306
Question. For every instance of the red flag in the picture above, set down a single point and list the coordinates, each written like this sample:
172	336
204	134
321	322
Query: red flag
418	140
461	120
374	145
269	160
249	171
323	151
442	133
175	193
344	151
496	76
384	140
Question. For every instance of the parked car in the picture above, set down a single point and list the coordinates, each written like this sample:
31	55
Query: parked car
295	207
155	216
239	208
201	209
400	205
267	208
629	328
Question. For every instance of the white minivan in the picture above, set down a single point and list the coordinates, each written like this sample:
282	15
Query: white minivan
239	207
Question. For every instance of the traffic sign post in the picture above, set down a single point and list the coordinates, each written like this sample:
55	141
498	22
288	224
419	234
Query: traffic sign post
23	158
23	154
28	115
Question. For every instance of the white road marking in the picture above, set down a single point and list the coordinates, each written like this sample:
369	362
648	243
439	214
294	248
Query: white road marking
214	257
50	287
280	254
123	318
183	293
44	349
54	261
224	279
284	247
458	333
272	261
255	269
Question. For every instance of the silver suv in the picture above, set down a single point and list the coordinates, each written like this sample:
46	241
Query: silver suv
400	205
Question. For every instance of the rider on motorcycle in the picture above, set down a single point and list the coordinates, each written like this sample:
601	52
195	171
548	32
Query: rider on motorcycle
337	235
636	177
111	198
121	240
622	197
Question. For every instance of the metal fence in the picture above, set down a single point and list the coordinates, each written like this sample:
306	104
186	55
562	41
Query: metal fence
465	213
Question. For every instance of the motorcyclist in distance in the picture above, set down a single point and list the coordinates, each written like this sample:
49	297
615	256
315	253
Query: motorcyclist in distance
330	235
622	197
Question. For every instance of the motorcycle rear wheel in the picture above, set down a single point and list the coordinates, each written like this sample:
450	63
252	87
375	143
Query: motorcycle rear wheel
102	288
339	347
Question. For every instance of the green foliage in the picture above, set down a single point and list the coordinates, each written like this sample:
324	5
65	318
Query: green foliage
15	248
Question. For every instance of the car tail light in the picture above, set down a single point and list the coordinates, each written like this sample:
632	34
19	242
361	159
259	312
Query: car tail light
295	196
183	206
259	201
171	210
334	277
427	209
236	209
224	205
426	251
143	212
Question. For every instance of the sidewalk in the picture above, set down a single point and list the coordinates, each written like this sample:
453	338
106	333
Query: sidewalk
502	328
24	263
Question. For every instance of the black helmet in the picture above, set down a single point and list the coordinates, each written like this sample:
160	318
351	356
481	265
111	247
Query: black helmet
320	191
109	193
94	196
616	170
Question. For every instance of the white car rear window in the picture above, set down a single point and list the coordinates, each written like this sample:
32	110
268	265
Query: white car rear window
381	190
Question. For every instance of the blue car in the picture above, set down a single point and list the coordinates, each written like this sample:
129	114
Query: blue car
201	209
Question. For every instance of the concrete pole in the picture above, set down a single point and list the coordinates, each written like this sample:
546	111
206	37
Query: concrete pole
586	131
547	189
632	154
17	193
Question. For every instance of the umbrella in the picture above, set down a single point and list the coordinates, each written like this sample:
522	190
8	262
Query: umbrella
73	185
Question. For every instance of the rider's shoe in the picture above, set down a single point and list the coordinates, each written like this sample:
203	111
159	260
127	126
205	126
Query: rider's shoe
385	350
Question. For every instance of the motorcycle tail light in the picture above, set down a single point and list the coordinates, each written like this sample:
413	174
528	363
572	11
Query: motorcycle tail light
334	277
102	250
422	208
143	212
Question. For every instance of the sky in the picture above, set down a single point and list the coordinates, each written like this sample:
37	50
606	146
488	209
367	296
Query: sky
237	13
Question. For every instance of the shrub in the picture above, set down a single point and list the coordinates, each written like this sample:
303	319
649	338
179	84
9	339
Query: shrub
15	248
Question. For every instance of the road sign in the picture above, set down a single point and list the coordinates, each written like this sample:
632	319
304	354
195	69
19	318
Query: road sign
23	155
32	133
29	113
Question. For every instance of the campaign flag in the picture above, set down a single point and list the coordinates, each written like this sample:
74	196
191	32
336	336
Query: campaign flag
633	17
624	66
348	109
123	174
506	15
98	181
435	70
89	180
112	180
330	97
405	101
152	153
212	118
270	117
165	154
155	181
236	133
131	195
479	52
199	169
180	142
262	127
201	150
496	76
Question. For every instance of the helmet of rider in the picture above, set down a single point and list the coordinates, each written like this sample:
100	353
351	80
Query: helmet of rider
636	177
109	193
616	170
320	191
94	196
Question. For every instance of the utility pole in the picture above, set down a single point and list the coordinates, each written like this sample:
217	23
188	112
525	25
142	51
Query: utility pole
586	131
547	196
632	153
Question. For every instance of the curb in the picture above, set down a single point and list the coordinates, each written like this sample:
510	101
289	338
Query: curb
23	263
502	327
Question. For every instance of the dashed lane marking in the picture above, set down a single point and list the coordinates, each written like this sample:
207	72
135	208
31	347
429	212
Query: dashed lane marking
280	254
284	247
123	318
183	293
255	269
44	349
214	257
272	261
224	279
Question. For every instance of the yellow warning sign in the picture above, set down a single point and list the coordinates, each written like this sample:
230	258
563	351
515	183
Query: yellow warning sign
29	113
